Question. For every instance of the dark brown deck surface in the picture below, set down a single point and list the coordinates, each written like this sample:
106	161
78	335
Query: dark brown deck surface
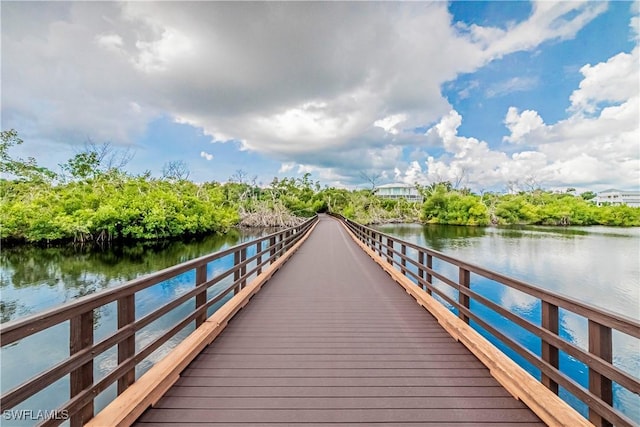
331	339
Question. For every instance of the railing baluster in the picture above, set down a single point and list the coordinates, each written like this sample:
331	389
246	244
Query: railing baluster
236	274
463	300
272	245
126	348
600	344
429	276
550	321
81	336
79	366
243	270
420	267
201	298
259	259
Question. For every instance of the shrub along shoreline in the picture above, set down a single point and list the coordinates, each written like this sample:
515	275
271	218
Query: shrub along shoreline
122	207
91	200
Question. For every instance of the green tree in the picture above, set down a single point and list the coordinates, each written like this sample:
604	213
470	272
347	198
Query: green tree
26	170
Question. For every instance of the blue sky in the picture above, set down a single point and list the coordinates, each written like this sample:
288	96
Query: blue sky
491	95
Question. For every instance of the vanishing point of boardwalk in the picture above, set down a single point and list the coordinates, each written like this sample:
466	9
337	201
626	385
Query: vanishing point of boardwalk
331	339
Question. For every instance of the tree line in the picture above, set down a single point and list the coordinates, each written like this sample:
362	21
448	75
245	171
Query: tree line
93	198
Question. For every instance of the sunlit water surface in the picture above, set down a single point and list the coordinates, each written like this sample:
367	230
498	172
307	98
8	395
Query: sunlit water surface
596	265
33	279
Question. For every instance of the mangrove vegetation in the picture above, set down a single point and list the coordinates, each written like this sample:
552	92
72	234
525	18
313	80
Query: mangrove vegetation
93	198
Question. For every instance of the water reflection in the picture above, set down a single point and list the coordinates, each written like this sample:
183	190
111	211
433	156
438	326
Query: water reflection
437	237
596	265
34	278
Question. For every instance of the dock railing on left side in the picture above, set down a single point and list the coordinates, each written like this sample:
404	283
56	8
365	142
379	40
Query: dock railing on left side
78	367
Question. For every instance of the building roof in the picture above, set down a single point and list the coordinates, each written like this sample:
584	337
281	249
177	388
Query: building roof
395	185
610	190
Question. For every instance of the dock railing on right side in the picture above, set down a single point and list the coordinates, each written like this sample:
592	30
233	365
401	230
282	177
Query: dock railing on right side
598	357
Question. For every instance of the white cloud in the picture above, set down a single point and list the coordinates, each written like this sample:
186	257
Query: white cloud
549	21
206	155
283	78
607	82
634	25
286	167
514	84
521	124
595	151
329	87
110	41
389	123
158	55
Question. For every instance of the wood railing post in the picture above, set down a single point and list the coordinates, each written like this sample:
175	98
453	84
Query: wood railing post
600	344
126	348
429	276
550	322
236	273
403	261
81	336
389	250
201	298
420	267
464	281
272	245
380	244
243	270
259	257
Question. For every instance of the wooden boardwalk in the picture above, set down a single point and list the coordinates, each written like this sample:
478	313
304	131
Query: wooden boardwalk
331	339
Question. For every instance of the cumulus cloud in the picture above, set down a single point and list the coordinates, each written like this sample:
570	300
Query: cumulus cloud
598	150
334	88
206	156
286	167
607	82
467	161
276	76
520	124
389	123
634	25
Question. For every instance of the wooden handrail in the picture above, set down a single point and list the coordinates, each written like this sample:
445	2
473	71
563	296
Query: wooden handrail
598	358
80	315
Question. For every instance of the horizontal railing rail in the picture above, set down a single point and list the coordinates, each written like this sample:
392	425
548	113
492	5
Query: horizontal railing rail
602	373
79	314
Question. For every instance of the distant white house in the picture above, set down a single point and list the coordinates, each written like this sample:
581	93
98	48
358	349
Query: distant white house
618	197
398	190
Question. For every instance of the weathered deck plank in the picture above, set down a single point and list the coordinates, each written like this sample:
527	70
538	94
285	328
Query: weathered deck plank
332	340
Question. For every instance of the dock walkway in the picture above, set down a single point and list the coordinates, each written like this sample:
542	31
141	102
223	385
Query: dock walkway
331	339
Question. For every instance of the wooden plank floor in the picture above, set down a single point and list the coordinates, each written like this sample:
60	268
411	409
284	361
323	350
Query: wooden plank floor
331	339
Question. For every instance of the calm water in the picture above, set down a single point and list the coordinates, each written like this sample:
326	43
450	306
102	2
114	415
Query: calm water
596	265
33	279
